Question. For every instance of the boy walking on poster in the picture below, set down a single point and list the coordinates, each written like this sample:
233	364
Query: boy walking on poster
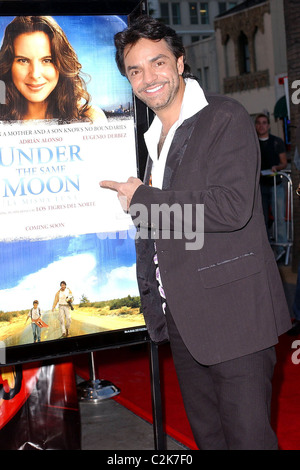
35	315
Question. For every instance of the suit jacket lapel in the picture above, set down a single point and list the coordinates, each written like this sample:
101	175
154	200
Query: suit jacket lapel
148	171
177	149
176	152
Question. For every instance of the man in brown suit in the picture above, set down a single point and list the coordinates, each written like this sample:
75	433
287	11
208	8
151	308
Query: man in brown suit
221	305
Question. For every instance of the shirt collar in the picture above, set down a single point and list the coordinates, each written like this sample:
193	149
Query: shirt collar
193	101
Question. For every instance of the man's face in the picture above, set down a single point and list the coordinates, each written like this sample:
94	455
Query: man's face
154	73
262	127
62	286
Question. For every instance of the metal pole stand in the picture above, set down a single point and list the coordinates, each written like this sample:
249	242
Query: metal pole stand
158	429
287	244
95	390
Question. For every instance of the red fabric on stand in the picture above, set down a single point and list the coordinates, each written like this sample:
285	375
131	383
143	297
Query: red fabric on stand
286	394
39	407
128	368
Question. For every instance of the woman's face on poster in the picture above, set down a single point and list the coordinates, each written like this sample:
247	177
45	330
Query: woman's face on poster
33	71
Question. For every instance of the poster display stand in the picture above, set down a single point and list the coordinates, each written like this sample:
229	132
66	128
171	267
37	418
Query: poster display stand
57	223
95	390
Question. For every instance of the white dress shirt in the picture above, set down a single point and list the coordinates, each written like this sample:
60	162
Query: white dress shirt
193	101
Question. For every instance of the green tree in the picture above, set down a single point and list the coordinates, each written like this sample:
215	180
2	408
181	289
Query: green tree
84	299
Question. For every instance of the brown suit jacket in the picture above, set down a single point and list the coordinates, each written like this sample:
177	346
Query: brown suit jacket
227	298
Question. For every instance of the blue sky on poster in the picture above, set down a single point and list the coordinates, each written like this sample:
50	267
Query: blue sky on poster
101	269
98	269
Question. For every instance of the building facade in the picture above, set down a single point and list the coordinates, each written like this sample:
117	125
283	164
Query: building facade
234	48
192	20
194	23
251	56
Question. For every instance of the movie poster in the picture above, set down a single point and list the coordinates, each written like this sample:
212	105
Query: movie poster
57	224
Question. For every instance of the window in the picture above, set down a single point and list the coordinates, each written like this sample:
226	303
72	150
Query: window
226	53
199	75
164	13
193	13
176	18
206	78
222	7
195	38
204	13
244	56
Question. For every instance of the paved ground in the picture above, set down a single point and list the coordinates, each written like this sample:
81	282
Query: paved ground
110	426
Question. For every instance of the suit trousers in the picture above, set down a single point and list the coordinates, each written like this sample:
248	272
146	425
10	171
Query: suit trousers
227	404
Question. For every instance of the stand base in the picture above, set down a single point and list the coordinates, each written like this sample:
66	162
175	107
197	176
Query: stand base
94	391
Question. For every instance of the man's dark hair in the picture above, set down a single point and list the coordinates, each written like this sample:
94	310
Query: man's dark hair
147	27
